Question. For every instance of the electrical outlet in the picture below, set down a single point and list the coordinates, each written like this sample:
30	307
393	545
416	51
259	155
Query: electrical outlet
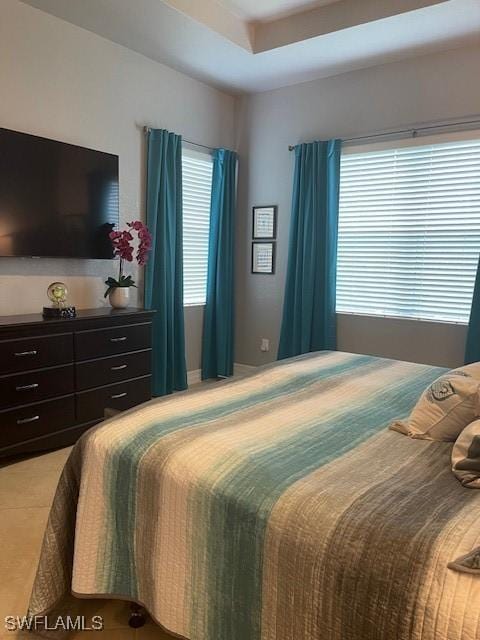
265	344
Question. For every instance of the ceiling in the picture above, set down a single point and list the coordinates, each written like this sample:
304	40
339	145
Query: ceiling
209	41
266	10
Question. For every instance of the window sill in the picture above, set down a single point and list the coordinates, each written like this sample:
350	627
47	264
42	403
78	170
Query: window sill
194	304
409	319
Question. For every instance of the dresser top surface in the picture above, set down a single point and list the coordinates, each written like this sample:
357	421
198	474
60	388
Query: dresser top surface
82	314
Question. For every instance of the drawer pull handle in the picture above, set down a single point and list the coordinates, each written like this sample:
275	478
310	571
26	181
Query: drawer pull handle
118	395
25	420
121	339
26	387
19	354
119	367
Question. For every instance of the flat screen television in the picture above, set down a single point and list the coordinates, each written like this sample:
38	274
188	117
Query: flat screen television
56	199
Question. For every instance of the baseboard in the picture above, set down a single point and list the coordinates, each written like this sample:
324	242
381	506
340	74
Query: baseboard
195	376
240	369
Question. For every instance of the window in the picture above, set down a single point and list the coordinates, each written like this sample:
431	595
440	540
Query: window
409	230
197	185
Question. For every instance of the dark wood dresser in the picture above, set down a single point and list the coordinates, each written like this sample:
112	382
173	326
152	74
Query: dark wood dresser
59	376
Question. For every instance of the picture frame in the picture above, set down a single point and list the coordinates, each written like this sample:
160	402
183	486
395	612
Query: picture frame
264	223
263	258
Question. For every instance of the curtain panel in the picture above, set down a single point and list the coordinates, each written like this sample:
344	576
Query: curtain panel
309	322
218	328
472	348
164	271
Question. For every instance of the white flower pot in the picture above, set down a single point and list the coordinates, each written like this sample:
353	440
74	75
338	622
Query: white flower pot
119	297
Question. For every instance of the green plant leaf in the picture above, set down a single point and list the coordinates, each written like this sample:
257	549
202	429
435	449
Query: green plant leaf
126	281
123	281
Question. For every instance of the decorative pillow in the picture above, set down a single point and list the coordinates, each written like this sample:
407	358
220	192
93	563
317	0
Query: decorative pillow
470	369
469	563
466	456
446	407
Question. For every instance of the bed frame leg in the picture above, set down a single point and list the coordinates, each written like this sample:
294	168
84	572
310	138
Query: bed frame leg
138	616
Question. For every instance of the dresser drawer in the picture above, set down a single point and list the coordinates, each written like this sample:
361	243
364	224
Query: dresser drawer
91	405
35	420
95	373
97	343
33	386
34	353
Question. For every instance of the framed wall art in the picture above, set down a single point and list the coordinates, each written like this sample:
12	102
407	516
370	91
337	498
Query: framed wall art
263	257
264	224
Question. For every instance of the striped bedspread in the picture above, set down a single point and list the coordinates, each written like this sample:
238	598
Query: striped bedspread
273	507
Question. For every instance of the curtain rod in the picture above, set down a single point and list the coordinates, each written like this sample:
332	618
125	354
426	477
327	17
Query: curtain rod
146	129
413	131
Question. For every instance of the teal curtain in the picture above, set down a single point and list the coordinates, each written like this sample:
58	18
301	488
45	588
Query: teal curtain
164	271
309	322
218	326
472	348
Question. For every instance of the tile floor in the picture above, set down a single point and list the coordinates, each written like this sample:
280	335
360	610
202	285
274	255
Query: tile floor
27	487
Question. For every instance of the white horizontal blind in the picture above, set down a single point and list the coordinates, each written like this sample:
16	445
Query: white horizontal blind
197	185
409	231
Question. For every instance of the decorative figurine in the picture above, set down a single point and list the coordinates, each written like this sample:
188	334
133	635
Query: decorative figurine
57	293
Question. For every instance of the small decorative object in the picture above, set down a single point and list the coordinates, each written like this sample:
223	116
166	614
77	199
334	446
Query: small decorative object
263	257
118	291
57	293
264	225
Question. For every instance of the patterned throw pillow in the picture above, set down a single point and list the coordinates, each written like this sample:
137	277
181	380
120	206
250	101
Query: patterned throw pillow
466	457
446	407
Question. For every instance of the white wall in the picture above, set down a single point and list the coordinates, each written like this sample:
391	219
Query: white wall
434	87
62	82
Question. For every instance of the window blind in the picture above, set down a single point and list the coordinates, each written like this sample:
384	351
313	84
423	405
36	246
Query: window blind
409	231
197	185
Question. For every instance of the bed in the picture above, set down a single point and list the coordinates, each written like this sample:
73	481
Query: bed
273	507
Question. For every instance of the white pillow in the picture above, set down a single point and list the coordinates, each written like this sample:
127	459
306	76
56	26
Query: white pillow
466	456
446	407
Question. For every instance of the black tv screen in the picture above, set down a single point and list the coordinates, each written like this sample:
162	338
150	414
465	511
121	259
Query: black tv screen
56	199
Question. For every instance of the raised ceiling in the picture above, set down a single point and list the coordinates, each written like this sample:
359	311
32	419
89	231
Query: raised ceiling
266	10
206	40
